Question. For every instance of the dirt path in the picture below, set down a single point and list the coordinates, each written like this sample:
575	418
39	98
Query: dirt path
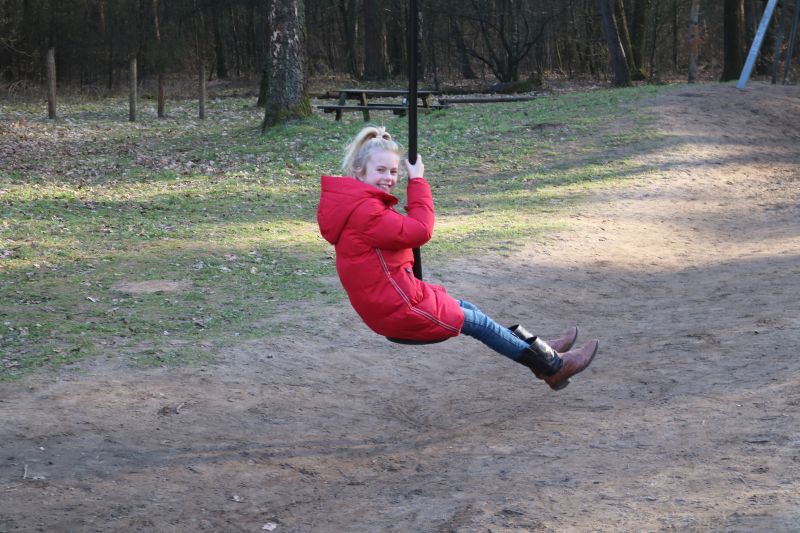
689	419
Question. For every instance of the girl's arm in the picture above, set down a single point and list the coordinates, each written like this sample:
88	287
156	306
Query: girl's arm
383	227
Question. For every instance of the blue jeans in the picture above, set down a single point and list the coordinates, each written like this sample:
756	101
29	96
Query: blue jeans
499	338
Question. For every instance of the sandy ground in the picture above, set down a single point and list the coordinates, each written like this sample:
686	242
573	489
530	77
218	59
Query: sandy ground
688	420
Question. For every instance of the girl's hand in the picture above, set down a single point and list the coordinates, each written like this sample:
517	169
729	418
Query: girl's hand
417	170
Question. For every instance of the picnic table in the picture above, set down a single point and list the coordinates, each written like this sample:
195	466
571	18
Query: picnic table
364	105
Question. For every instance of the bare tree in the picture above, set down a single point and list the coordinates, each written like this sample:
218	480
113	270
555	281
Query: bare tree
638	30
348	10
465	67
619	64
510	39
219	45
397	45
733	40
694	39
376	66
159	60
750	21
507	34
286	93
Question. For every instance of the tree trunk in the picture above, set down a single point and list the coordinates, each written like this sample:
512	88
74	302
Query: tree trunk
396	44
263	88
777	49
108	39
428	29
694	39
512	59
159	62
286	94
733	40
792	40
237	46
590	31
638	27
219	45
349	18
619	65
625	37
656	35
267	64
675	35
252	40
572	43
461	49
750	22
142	42
375	64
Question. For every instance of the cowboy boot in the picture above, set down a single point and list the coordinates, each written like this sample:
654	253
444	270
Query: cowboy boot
554	368
561	344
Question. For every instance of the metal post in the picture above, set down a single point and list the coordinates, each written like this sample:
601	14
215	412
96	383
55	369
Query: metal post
792	38
756	46
413	30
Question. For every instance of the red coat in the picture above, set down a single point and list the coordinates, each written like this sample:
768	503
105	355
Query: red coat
374	258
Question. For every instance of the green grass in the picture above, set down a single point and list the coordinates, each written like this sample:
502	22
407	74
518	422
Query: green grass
92	202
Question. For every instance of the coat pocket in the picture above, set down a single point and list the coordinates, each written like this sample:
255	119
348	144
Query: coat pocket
411	286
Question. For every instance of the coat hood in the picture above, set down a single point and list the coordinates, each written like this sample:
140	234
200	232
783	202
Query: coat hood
338	198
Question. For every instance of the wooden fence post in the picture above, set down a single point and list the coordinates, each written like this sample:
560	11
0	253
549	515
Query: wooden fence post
51	83
162	96
132	94
202	91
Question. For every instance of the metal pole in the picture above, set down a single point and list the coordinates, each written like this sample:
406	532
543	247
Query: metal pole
792	38
756	46
413	30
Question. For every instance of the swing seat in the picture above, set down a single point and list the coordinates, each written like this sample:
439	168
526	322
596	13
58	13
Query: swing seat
412	342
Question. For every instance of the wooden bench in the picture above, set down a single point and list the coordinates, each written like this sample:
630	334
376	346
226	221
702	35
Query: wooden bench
397	109
363	96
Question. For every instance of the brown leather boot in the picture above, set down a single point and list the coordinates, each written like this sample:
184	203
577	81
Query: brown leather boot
572	362
565	341
561	344
554	368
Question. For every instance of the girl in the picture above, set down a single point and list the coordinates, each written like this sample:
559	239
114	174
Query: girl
374	261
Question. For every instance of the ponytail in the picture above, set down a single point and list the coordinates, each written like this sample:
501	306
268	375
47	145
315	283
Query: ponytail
368	140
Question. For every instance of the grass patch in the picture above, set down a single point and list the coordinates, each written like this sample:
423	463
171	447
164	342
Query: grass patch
164	240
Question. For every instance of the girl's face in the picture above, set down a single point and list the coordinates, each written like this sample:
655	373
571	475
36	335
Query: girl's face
380	170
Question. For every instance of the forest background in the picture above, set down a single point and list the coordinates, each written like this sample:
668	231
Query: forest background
465	43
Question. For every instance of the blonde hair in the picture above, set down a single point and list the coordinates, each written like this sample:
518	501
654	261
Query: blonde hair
368	140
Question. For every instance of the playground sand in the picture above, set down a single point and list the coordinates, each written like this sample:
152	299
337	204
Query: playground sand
688	419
